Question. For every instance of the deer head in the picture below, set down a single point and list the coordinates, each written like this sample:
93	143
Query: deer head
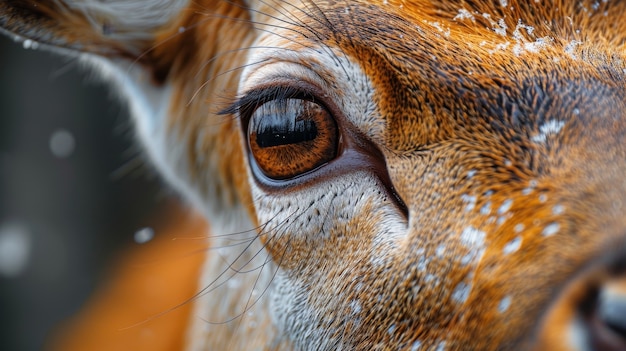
421	175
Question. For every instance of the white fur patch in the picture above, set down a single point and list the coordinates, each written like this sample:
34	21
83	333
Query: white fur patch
322	208
551	127
128	20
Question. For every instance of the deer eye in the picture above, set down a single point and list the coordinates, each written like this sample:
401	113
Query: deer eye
289	137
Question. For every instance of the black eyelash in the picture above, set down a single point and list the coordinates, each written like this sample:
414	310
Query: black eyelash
249	102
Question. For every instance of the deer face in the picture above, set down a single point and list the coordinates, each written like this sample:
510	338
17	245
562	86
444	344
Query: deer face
455	186
423	176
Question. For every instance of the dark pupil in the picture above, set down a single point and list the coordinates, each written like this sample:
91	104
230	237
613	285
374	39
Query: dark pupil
277	133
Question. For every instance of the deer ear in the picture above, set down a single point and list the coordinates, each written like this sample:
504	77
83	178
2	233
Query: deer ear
108	28
160	55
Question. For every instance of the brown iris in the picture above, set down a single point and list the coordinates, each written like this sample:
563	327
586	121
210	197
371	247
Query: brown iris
289	137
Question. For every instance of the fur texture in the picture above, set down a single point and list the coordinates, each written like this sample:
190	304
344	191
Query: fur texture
474	193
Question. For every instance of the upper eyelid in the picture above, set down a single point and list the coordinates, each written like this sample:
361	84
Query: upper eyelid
277	90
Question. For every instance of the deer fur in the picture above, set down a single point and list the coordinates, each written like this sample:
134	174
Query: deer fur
476	197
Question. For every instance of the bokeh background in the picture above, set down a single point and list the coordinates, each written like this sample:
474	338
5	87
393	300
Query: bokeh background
74	190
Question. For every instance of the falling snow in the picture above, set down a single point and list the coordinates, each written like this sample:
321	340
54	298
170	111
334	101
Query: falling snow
15	248
62	143
30	44
144	235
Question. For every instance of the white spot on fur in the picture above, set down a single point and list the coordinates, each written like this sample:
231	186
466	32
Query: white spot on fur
473	237
551	127
532	47
440	28
512	246
531	186
461	292
441	346
470	200
506	206
519	227
570	48
517	33
355	306
551	229
503	219
504	304
463	15
543	198
501	28
558	209
416	346
474	240
441	250
486	209
523	45
422	260
500	47
431	279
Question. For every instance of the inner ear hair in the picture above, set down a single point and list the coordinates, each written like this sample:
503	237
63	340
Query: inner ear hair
111	28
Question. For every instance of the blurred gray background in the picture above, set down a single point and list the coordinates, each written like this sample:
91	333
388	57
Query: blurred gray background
73	190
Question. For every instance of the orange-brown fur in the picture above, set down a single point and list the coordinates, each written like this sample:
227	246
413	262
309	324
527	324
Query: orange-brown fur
461	145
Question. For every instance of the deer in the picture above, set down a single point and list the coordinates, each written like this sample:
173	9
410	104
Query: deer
378	175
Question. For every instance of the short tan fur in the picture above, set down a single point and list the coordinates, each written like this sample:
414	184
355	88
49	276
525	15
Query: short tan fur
410	175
